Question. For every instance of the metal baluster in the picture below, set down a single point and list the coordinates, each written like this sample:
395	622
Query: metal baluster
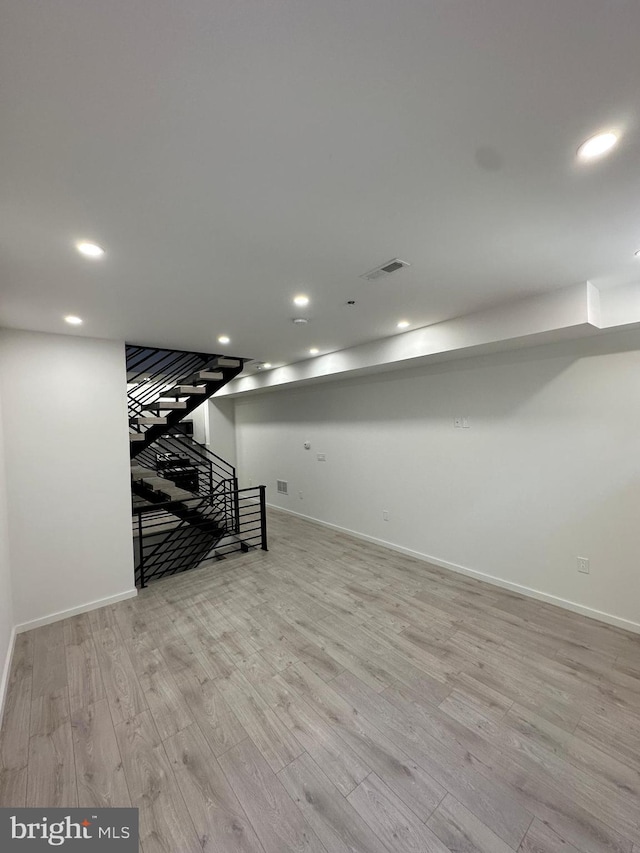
263	518
141	548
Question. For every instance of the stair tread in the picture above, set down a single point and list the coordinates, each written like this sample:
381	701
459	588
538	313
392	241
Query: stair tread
156	481
161	484
139	471
188	389
178	493
136	436
149	419
210	375
169	404
225	361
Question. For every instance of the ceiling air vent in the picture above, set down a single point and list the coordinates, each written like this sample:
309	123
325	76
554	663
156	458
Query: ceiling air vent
283	487
386	269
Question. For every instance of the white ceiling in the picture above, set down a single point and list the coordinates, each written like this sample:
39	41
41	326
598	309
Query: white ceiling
231	153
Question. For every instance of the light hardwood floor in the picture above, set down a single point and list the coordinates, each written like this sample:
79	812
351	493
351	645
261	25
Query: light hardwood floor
331	695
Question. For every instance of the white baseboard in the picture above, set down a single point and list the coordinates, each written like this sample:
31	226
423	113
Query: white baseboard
601	616
73	611
4	681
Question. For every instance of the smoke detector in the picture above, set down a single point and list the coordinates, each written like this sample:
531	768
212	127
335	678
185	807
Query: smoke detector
300	321
386	269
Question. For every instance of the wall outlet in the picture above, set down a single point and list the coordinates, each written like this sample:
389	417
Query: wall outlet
321	457
583	565
457	423
300	494
465	423
385	515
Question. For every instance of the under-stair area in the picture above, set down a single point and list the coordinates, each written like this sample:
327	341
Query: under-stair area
187	507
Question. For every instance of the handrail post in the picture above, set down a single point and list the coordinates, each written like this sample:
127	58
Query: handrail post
141	549
263	518
236	506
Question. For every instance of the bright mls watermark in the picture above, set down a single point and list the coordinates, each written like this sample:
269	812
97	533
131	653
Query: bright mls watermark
104	830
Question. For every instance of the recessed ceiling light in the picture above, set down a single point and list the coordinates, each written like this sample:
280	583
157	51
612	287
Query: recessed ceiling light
90	250
403	324
267	365
314	351
597	145
224	339
300	321
301	300
73	320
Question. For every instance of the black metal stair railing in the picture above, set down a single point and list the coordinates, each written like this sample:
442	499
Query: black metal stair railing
152	371
217	508
163	386
187	507
166	543
183	457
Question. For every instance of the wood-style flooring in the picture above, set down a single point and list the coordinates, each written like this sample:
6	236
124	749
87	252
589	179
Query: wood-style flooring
332	696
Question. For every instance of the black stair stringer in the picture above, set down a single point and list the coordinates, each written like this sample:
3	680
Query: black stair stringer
198	513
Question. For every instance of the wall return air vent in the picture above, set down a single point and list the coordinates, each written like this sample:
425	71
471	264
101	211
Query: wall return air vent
283	487
386	269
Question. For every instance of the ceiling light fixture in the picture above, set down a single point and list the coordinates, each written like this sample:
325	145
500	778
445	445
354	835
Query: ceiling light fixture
314	351
300	321
597	145
224	339
90	250
73	320
267	365
403	324
301	300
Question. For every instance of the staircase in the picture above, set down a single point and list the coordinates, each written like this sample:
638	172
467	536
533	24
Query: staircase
187	506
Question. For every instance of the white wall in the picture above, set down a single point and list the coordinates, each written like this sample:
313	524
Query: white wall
222	428
199	417
67	469
548	471
6	604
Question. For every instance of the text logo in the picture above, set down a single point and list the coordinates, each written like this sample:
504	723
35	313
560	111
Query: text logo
102	830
